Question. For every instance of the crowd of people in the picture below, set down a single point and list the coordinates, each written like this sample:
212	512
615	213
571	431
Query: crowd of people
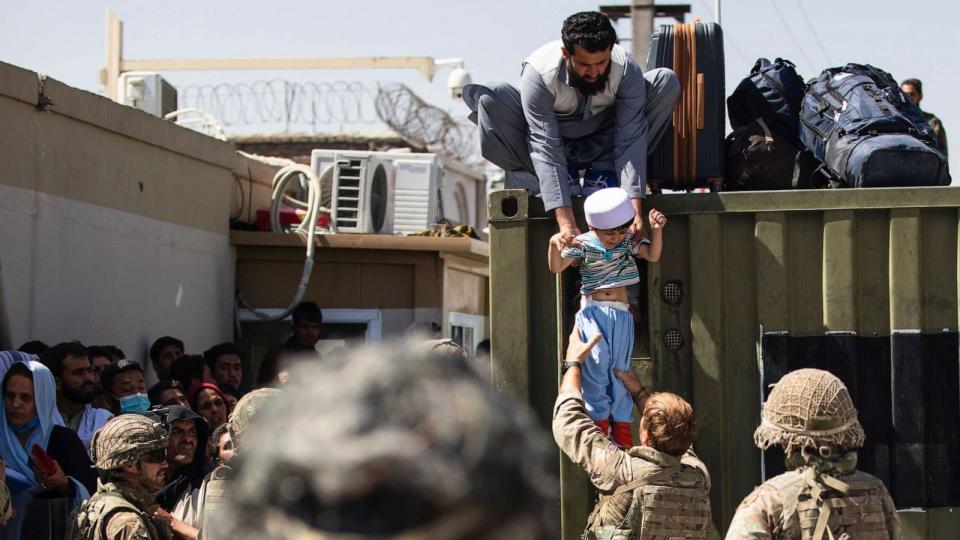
402	441
59	401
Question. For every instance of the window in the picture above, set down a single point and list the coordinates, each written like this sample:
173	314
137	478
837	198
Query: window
466	330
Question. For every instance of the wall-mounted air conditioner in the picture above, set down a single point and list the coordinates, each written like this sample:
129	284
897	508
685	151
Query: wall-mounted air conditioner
148	92
417	194
356	180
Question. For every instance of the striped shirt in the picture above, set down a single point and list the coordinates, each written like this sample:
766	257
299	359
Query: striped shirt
602	268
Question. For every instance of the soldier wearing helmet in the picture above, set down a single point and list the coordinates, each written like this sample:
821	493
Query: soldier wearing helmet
129	453
215	486
822	495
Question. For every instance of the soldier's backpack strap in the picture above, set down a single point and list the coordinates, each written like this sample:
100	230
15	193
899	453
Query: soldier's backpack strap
630	486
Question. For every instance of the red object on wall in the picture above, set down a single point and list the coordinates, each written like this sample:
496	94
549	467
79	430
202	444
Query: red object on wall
288	218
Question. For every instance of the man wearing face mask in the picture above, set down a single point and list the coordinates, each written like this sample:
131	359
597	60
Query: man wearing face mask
123	380
76	388
583	105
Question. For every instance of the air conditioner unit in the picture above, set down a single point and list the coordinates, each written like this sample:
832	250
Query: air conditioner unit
415	204
413	181
361	198
148	92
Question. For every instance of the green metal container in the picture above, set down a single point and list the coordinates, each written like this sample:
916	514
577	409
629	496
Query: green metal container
753	282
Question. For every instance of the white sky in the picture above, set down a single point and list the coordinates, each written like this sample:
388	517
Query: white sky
66	39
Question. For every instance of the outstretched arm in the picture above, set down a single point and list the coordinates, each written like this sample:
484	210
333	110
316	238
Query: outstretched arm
555	251
653	250
577	435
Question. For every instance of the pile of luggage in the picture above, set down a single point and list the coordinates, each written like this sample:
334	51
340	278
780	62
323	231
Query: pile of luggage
850	127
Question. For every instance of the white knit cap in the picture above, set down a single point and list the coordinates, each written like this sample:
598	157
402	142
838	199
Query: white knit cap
609	208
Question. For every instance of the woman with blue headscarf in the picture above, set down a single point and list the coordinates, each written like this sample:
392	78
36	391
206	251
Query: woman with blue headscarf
29	419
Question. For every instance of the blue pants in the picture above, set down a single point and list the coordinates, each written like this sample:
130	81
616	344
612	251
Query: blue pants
604	394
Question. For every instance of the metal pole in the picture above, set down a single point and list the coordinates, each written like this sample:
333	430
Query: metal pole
114	54
641	21
716	10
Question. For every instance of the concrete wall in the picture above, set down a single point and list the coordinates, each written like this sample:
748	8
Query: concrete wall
113	224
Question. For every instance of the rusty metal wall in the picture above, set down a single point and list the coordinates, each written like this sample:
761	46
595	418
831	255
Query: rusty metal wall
875	264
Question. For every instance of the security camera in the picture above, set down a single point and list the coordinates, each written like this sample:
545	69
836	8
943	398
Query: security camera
456	81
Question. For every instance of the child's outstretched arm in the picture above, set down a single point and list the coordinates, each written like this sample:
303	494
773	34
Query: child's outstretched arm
555	259
651	251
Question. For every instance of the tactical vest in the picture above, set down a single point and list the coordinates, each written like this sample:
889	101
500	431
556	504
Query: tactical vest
858	514
658	511
89	522
549	62
214	493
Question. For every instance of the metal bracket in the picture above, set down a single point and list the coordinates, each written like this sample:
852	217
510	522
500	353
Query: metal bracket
508	205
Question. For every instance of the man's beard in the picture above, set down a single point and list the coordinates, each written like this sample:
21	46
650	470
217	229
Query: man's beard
589	88
83	395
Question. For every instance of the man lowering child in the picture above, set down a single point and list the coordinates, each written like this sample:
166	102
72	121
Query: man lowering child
605	256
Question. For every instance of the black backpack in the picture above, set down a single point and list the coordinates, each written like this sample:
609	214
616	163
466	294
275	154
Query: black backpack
773	92
757	159
764	151
868	132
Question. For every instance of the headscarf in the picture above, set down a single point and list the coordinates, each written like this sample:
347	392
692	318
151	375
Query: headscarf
7	358
20	478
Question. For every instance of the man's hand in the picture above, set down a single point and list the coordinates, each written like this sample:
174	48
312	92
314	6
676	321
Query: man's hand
657	220
561	240
568	227
578	350
637	227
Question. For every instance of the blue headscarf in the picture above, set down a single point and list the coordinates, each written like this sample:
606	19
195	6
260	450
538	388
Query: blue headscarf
20	478
7	358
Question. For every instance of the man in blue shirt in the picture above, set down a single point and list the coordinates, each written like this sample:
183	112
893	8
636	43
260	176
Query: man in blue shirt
583	104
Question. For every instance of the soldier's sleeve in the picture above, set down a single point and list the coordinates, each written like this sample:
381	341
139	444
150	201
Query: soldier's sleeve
757	516
582	441
891	516
127	526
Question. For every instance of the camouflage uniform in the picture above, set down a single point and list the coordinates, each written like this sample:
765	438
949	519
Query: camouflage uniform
214	489
647	494
822	495
119	511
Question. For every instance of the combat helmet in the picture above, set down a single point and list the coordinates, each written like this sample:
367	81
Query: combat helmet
246	409
124	439
404	442
809	408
